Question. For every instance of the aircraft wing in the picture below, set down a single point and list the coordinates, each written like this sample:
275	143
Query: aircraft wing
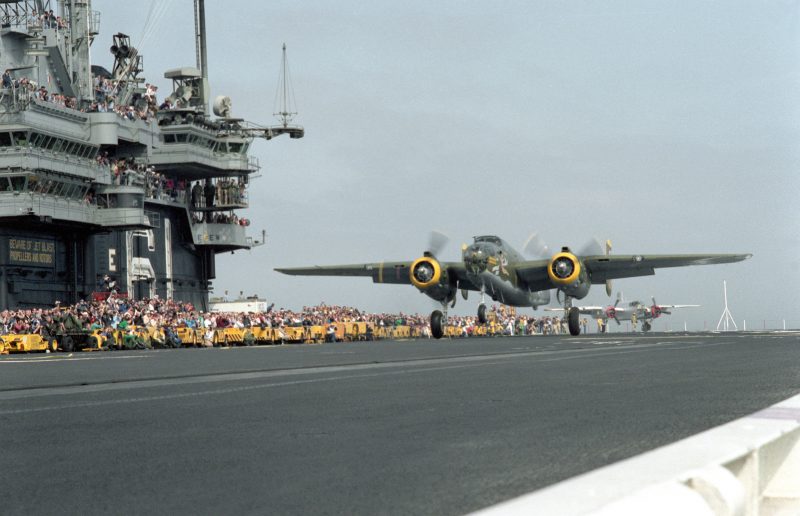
601	267
594	311
677	306
380	272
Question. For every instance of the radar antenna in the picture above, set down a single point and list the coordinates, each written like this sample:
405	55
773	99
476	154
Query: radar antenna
726	319
284	95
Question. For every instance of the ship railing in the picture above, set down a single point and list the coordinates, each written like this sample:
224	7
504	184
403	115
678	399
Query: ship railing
239	200
254	166
15	98
60	208
75	210
21	22
179	197
122	217
75	165
94	22
219	234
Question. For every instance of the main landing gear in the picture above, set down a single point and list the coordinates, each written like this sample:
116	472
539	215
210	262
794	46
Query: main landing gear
646	327
573	317
574	321
438	321
482	314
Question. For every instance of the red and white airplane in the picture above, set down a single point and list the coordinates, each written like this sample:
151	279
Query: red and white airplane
635	311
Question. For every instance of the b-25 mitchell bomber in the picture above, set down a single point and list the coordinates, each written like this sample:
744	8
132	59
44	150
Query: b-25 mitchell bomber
492	267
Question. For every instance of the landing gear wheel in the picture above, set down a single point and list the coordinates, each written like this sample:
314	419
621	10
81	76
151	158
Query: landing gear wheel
646	327
437	324
482	313
574	321
52	345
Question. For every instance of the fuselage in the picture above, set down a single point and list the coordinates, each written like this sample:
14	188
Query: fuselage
490	265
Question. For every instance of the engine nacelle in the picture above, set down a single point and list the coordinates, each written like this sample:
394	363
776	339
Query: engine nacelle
568	275
427	274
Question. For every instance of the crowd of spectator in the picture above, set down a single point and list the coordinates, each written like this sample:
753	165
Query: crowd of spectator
116	312
28	89
105	97
46	20
105	100
105	89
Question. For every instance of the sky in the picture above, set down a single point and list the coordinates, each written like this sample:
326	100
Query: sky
666	127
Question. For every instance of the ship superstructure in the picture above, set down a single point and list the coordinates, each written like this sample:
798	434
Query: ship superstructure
101	187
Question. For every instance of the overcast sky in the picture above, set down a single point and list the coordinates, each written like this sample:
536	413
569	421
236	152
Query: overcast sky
663	126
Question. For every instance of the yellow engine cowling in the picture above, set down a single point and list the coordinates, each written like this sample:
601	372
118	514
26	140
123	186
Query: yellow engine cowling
568	274
427	274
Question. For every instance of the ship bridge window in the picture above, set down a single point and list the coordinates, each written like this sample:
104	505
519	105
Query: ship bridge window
180	138
20	138
37	139
235	147
45	186
169	138
56	188
5	139
68	191
18	183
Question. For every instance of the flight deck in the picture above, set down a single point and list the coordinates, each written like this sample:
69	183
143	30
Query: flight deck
389	427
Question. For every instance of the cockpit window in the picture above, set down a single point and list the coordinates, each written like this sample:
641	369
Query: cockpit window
488	238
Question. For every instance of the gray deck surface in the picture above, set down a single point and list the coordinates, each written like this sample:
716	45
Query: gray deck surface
422	427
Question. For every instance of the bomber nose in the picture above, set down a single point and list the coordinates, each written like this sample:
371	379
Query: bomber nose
475	259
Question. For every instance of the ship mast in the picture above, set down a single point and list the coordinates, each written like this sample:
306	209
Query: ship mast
284	95
200	46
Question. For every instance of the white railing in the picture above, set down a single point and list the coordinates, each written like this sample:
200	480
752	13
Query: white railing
750	466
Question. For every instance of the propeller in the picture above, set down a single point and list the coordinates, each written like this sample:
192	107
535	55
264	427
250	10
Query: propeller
657	310
591	248
608	281
612	312
535	247
437	242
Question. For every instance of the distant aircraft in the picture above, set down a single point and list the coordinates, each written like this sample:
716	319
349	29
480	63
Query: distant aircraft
491	266
636	312
646	314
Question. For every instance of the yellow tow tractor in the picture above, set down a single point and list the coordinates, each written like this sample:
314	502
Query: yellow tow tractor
26	342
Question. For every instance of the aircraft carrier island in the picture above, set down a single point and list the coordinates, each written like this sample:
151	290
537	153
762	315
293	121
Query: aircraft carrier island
103	186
